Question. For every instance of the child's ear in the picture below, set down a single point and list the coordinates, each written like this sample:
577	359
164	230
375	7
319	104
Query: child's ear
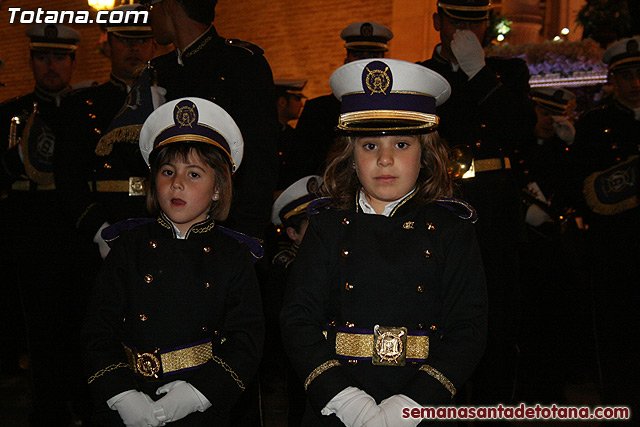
292	233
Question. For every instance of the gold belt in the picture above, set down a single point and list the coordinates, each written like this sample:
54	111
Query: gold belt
135	186
24	185
153	365
485	165
390	346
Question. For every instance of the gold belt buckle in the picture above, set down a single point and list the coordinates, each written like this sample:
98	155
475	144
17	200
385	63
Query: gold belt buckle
136	186
149	364
389	346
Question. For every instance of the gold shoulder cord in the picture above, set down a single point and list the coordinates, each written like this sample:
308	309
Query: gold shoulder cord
320	369
438	375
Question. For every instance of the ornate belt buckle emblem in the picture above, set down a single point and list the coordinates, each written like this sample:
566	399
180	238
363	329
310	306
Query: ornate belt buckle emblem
149	365
137	186
389	346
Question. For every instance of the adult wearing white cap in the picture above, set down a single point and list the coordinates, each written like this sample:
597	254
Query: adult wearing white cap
488	116
315	129
96	187
36	246
607	146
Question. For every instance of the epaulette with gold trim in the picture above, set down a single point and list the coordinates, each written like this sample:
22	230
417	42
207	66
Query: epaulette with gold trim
112	232
250	47
284	258
459	208
253	244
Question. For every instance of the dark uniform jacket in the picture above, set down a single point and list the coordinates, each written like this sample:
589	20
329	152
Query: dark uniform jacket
156	291
38	250
287	163
42	146
492	114
314	135
551	164
80	172
236	76
606	136
419	268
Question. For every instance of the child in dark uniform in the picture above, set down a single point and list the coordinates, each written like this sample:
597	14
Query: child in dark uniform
386	306
175	329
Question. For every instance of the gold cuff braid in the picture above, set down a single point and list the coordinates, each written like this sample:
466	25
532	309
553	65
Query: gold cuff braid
103	371
320	369
228	368
438	375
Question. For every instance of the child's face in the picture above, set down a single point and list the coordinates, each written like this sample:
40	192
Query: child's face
387	167
186	191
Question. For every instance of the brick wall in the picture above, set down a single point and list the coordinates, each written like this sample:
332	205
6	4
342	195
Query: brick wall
301	38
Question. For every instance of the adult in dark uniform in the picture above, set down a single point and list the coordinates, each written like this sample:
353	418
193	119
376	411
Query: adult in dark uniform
547	158
386	302
606	140
289	102
37	249
556	342
235	75
315	128
97	185
489	112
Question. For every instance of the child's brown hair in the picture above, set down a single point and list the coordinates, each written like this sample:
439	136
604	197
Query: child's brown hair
207	154
341	180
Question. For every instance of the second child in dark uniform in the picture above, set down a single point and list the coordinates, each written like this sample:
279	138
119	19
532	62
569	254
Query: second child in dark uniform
386	306
175	326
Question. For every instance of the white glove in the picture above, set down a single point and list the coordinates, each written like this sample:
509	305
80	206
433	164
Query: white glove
468	51
535	216
353	406
134	407
564	129
103	247
391	414
181	400
158	96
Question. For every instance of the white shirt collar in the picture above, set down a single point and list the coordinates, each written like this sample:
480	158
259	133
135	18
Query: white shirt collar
366	207
178	235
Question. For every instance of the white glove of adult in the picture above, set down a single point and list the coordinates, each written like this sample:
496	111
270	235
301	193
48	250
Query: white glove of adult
134	407
103	247
391	413
468	51
535	215
158	96
564	129
181	400
353	406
